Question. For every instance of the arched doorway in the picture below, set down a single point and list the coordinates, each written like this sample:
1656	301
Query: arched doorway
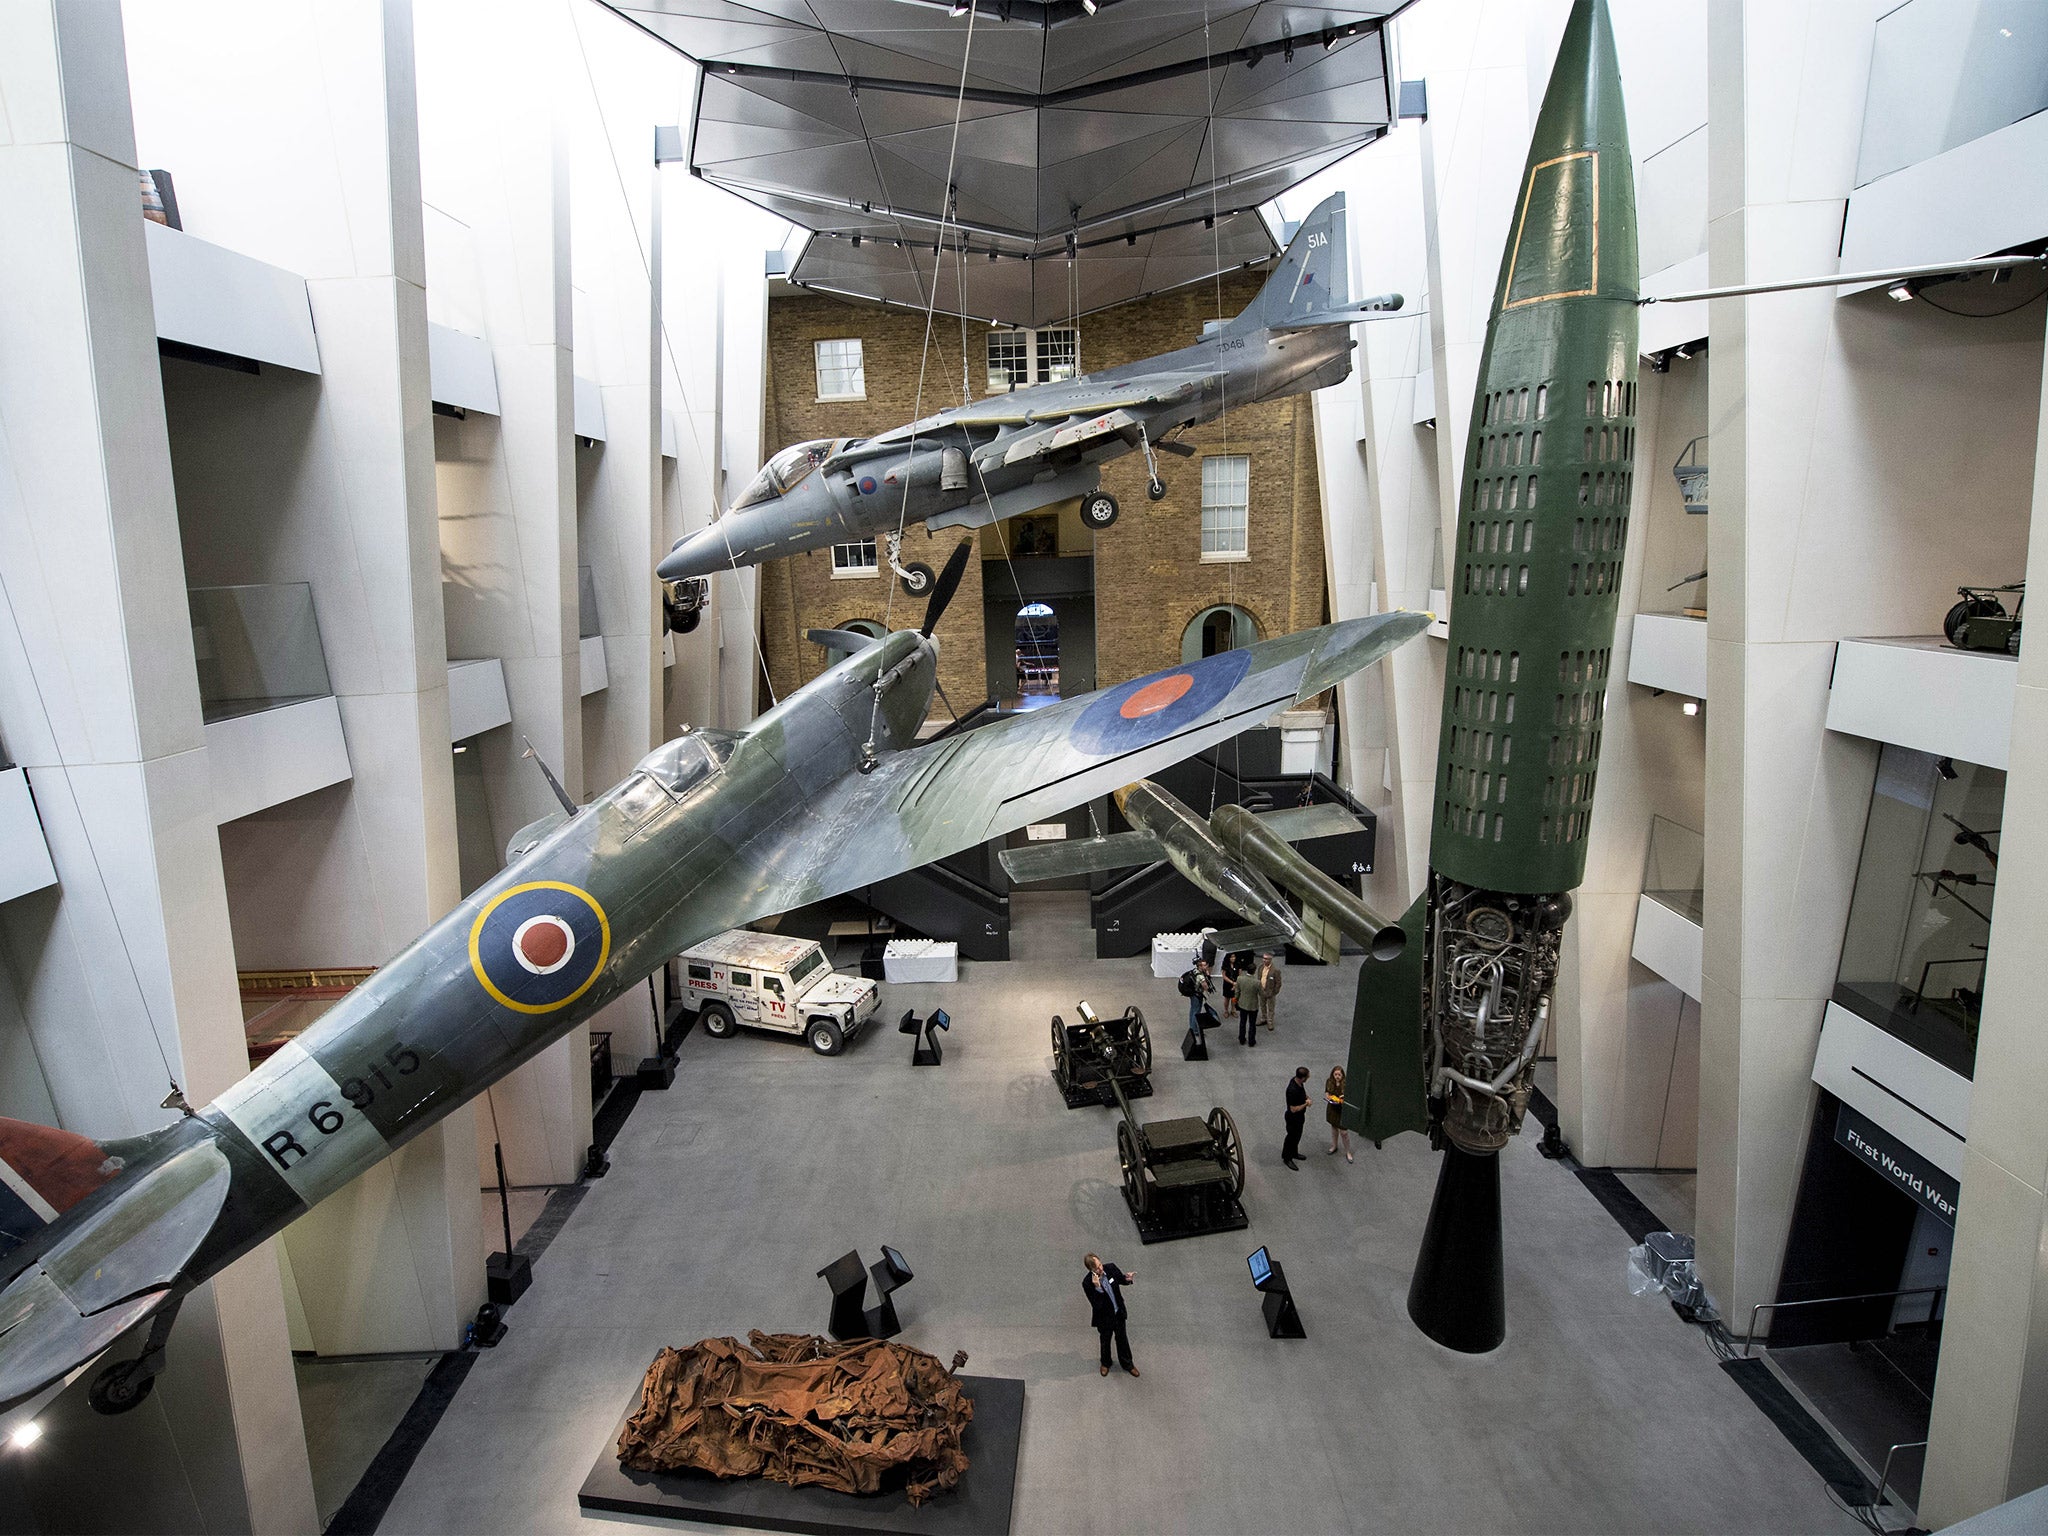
1038	656
872	628
1224	627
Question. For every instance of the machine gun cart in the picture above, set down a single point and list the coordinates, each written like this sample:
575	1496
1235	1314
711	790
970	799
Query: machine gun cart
1090	1061
1181	1178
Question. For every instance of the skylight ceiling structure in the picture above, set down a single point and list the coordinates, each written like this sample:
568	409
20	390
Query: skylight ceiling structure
1101	157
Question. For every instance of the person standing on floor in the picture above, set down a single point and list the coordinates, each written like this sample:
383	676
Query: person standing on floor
1248	996
1269	989
1333	1099
1196	986
1103	1285
1297	1117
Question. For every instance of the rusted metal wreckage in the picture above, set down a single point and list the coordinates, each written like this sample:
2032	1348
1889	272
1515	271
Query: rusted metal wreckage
796	1408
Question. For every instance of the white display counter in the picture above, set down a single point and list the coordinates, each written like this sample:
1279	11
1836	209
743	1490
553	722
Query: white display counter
921	960
1173	953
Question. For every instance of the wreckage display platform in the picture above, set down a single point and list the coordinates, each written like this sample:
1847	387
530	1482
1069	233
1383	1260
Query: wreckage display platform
980	1504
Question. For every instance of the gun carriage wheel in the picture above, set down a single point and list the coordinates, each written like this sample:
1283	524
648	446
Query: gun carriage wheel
1062	1057
1133	1163
1140	1039
1229	1146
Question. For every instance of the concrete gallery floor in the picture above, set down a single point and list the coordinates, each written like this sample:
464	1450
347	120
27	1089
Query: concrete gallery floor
764	1162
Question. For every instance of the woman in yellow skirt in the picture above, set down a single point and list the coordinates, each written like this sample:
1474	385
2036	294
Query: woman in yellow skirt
1333	1098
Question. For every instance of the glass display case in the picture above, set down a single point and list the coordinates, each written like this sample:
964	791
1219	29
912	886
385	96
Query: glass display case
1913	953
1675	869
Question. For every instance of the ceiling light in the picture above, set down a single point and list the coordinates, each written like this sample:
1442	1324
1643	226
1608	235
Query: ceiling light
26	1435
959	8
1088	6
1901	291
1690	706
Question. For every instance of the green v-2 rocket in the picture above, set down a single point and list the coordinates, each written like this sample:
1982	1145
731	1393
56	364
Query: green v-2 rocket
1444	1037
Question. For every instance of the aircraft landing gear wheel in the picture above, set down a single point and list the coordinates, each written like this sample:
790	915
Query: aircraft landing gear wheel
1098	510
718	1021
1133	1167
824	1037
917	579
1156	488
120	1387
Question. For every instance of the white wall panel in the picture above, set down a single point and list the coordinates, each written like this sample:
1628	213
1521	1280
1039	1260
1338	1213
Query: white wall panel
460	371
1925	694
208	296
274	755
1669	651
476	698
1912	1095
1668	943
24	853
1984	196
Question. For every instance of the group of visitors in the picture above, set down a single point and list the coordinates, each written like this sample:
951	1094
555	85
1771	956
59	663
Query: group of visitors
1251	991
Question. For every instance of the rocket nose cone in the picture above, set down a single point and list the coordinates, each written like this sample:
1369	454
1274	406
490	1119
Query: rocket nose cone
702	553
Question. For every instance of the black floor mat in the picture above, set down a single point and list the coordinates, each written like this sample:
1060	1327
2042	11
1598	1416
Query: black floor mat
380	1483
1799	1427
1636	1218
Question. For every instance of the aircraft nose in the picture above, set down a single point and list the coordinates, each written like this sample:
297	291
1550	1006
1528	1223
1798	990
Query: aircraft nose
701	553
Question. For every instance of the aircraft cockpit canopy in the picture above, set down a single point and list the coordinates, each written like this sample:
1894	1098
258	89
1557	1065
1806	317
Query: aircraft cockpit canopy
788	469
681	765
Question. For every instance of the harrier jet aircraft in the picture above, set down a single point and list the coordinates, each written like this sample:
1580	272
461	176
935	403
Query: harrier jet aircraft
972	464
826	792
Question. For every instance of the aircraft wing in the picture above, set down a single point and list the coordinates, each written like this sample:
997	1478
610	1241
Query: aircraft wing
1048	404
931	801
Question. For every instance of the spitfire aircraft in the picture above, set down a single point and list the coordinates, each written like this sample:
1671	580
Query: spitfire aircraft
826	792
1030	448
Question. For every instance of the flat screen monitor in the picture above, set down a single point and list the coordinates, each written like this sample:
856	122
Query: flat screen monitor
1262	1267
941	1019
895	1261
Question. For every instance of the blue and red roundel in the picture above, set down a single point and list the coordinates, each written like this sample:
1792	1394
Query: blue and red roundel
867	485
1148	709
539	946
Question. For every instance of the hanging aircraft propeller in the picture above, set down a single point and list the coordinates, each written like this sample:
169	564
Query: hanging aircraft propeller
948	583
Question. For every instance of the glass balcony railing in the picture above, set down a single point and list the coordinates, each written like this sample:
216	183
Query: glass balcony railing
1944	72
1675	869
1920	916
1436	561
257	647
586	604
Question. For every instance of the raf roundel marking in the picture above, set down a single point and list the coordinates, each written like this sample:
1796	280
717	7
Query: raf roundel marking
867	485
1150	709
539	946
1154	697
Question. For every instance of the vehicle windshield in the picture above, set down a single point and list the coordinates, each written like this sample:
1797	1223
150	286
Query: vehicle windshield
679	766
804	967
787	470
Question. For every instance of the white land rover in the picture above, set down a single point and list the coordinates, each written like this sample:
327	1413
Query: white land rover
768	981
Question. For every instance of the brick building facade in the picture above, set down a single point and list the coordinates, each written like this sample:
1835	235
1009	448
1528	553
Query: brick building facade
1149	578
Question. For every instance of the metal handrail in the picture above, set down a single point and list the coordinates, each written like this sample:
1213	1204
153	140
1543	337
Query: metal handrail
1828	1301
1886	1475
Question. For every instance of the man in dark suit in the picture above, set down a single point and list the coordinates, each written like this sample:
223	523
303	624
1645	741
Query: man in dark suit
1103	1285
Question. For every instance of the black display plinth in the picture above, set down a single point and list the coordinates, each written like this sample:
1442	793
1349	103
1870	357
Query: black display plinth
1166	1219
507	1277
849	1282
981	1503
1277	1304
656	1073
1458	1296
1194	1047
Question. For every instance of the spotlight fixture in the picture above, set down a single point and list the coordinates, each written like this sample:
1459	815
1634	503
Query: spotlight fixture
1684	352
1131	239
26	1435
1073	246
1946	767
1329	40
991	253
1660	362
960	8
1208	221
1088	6
1901	291
1690	707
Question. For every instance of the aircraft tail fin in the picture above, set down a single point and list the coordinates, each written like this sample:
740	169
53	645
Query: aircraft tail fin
1312	284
